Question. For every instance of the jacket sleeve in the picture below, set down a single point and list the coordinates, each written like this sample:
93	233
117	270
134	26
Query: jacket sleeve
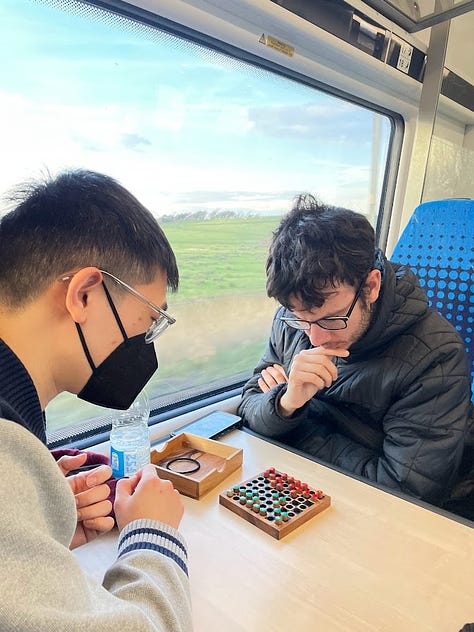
424	428
44	589
259	410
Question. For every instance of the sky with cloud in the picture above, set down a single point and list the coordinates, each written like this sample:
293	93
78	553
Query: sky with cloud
182	127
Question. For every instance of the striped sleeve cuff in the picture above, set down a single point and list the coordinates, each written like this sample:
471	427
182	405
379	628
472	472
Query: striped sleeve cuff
152	535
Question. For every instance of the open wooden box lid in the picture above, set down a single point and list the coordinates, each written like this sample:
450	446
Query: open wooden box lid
215	461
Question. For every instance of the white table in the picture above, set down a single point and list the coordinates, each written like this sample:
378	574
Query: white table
371	562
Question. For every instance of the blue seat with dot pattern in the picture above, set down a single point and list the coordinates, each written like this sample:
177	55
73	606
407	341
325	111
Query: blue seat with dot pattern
438	245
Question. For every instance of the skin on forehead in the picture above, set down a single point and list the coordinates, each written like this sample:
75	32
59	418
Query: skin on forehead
336	303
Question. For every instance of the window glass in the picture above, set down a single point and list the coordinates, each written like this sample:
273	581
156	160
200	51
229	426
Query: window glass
215	147
448	171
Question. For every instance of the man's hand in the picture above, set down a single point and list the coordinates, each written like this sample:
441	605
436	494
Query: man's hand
271	376
90	493
311	370
145	495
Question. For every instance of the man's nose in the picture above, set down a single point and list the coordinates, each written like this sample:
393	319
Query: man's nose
319	336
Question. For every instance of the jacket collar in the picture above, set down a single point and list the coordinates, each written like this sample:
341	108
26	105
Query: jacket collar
19	400
401	303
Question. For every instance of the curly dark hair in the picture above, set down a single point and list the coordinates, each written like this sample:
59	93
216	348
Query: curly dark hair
317	246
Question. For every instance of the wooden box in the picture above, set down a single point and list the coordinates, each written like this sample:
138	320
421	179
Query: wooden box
216	461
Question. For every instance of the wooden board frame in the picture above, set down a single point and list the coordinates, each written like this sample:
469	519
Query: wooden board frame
301	507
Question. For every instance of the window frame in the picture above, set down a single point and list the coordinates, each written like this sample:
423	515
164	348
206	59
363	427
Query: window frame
93	430
394	149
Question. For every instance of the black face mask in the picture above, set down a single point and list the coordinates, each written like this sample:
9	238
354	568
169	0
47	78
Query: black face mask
117	381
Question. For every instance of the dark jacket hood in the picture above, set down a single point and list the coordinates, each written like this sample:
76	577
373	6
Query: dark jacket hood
400	305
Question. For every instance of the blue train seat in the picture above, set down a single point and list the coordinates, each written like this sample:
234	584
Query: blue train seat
438	245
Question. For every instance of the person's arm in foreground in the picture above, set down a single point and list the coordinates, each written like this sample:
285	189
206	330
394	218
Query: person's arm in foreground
43	588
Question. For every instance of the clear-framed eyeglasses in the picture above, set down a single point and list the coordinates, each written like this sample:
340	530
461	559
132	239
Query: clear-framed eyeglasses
332	323
159	324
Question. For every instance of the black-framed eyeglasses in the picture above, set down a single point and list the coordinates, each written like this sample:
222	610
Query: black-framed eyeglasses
330	322
159	324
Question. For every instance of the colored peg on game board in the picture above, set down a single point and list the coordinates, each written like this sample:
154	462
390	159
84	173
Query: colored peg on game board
256	502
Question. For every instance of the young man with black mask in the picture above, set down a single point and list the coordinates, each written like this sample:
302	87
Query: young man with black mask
359	372
85	270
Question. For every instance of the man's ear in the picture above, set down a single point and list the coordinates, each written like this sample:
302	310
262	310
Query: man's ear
372	286
79	289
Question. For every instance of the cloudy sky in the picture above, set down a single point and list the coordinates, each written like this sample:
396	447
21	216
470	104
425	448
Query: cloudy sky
183	128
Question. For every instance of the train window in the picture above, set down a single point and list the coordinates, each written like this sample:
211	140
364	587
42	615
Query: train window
215	146
449	170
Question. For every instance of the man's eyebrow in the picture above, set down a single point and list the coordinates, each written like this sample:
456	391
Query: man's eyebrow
330	315
325	296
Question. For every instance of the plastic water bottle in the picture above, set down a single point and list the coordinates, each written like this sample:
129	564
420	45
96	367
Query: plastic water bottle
130	438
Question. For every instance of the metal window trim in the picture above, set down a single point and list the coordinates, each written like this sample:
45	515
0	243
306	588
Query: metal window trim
413	26
126	10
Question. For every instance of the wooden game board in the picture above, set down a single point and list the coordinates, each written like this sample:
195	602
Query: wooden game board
275	502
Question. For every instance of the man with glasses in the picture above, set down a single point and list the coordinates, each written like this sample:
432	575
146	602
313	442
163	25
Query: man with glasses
83	281
359	372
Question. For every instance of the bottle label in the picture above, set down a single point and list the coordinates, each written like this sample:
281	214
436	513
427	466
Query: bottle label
125	463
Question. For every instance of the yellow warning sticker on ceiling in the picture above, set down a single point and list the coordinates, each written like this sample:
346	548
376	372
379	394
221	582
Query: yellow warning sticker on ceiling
276	44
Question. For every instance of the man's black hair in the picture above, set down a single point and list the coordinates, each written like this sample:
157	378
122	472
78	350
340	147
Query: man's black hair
315	248
77	219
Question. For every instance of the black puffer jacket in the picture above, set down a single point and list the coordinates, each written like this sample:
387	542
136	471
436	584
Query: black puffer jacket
398	413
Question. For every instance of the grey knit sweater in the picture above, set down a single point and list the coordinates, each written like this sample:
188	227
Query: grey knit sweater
42	586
